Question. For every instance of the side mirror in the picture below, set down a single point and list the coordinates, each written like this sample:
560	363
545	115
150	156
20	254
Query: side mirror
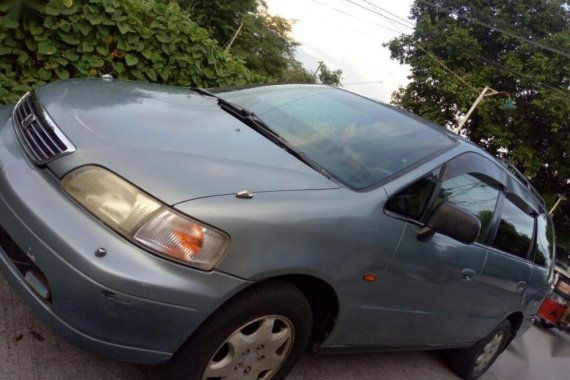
450	220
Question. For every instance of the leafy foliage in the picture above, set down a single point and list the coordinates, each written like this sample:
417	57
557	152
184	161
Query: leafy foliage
221	18
264	41
131	39
264	44
536	136
296	73
327	76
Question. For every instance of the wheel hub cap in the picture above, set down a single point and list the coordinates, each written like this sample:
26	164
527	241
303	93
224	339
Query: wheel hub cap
255	351
489	352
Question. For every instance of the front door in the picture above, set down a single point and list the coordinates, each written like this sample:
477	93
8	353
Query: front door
431	294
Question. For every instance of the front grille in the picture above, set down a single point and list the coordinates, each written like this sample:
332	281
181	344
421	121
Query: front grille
41	139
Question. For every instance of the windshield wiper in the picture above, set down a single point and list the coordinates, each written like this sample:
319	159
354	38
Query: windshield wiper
250	119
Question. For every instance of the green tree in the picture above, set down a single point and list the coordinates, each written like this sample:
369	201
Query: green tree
131	39
456	34
296	73
221	18
326	76
265	44
264	41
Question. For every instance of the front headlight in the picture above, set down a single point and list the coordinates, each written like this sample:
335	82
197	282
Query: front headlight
144	220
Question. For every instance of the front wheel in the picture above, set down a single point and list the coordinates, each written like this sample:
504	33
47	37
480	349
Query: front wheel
545	324
472	362
258	335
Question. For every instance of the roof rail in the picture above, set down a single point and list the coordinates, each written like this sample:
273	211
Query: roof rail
523	179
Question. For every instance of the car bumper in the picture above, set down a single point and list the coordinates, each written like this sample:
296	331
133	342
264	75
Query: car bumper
128	305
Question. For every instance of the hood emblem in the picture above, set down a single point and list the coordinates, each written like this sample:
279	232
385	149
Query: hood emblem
28	121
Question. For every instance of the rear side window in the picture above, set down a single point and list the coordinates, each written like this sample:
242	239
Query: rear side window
544	241
474	196
413	200
515	231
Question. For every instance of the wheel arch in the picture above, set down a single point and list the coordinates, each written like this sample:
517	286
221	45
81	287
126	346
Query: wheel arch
516	319
323	300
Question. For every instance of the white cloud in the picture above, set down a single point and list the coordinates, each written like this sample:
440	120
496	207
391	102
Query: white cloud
351	43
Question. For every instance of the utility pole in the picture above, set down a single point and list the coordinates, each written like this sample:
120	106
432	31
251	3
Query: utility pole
479	99
561	198
236	34
487	91
318	68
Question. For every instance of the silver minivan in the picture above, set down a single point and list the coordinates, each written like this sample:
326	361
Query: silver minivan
227	232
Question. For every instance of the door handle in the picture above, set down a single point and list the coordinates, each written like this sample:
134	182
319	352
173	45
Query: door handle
521	285
467	274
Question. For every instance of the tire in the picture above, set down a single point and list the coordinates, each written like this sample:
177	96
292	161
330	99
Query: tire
545	324
259	334
471	363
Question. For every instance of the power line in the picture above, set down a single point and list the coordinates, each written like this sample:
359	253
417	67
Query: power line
381	12
377	13
356	83
356	17
516	73
502	30
513	73
390	13
439	62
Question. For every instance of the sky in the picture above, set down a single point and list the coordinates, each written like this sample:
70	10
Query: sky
348	37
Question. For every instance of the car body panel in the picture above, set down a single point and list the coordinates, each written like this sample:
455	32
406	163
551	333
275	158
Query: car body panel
502	277
421	297
305	232
190	148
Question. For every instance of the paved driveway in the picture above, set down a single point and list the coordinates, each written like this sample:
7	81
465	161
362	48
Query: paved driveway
30	350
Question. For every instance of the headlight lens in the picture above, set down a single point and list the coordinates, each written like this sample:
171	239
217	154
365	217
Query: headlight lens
110	198
144	220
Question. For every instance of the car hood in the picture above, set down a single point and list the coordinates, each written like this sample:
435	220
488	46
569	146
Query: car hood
175	144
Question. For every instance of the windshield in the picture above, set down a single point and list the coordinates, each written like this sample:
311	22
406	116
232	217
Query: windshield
358	141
